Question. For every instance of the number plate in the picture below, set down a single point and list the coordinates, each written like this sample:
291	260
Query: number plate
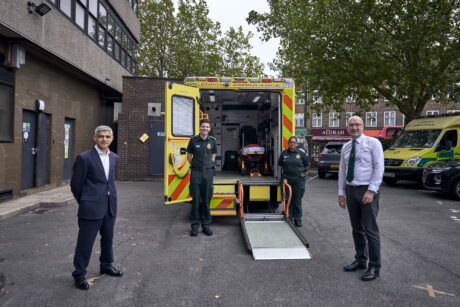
334	165
386	174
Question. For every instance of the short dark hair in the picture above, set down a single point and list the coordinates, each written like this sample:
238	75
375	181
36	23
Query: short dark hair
205	120
293	137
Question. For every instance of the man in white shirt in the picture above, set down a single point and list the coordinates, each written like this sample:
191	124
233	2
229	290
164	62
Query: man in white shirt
360	175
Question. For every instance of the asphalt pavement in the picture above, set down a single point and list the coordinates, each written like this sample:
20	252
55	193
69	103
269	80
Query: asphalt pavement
164	266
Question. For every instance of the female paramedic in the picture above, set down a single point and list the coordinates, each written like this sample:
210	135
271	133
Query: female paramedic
295	164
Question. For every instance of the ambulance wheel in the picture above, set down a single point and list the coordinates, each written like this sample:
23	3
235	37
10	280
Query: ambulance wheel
390	180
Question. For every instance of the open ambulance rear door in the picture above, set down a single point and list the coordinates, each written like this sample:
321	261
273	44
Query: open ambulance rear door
181	123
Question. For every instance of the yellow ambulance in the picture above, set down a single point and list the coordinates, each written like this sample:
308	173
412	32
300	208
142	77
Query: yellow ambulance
424	141
251	119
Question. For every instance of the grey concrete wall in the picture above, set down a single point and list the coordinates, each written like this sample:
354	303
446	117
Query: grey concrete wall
58	35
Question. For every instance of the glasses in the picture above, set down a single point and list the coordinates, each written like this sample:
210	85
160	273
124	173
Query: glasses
292	142
354	125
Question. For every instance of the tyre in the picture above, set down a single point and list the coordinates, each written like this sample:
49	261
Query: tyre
455	189
390	180
321	174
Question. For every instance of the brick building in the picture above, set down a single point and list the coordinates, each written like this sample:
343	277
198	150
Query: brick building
143	113
61	68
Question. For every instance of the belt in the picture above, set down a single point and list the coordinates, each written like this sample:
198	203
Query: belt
357	186
200	168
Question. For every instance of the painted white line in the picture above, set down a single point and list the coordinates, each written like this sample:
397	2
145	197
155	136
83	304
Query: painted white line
314	177
439	202
454	210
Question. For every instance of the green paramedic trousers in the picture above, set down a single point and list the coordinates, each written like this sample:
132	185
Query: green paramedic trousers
297	184
201	192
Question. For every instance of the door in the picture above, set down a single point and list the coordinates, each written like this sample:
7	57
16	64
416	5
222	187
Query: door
29	151
156	144
181	123
69	125
43	150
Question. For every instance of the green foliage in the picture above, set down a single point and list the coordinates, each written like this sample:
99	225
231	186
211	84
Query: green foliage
186	42
406	51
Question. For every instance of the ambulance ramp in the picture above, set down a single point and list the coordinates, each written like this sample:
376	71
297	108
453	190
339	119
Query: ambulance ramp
272	237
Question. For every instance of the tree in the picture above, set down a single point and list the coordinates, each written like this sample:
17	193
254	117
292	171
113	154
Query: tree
187	42
406	51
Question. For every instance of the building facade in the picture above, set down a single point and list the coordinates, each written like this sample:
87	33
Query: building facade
61	68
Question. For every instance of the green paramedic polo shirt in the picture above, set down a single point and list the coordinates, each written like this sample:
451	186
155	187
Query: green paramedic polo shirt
202	151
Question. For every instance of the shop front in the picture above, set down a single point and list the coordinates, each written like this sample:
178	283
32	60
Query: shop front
320	137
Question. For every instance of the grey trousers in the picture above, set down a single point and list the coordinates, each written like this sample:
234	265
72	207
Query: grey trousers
363	218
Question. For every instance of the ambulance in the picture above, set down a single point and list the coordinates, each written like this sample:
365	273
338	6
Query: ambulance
424	141
251	119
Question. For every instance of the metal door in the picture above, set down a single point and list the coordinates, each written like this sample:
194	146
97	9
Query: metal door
182	117
29	150
156	147
43	150
69	125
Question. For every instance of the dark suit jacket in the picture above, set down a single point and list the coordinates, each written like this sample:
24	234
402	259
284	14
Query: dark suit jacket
90	187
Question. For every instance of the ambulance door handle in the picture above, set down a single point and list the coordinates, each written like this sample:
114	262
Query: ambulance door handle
35	151
183	151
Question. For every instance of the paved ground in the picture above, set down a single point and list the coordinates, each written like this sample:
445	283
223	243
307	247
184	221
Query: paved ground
165	267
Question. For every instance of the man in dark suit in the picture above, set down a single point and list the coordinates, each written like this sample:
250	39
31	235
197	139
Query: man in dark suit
93	186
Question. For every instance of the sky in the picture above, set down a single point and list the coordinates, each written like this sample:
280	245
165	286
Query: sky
233	14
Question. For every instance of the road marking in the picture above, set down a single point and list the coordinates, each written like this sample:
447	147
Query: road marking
431	291
314	177
454	210
439	202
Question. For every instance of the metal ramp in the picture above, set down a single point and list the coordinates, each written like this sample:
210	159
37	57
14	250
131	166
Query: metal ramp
273	236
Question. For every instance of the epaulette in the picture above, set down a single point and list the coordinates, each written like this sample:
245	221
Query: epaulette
302	150
212	138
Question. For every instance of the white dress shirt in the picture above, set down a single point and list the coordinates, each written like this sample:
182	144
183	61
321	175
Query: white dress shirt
105	160
369	164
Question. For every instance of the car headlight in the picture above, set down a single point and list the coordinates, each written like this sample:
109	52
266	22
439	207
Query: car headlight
413	161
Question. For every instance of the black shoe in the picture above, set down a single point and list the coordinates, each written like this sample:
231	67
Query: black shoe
194	232
354	266
298	223
81	283
207	231
371	274
111	271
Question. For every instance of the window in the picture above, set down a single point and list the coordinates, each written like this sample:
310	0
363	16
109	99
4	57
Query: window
92	7
92	27
432	112
123	58
111	25
66	7
389	118
110	45
299	98
316	98
117	52
333	119
102	15
349	99
6	113
80	15
182	116
102	37
371	119
317	120
299	120
349	115
452	111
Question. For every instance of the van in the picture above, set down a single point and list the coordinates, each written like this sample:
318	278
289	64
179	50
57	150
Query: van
424	141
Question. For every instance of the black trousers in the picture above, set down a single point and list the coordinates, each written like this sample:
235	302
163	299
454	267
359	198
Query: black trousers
87	233
363	218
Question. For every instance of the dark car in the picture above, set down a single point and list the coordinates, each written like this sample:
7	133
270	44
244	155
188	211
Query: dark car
329	159
443	176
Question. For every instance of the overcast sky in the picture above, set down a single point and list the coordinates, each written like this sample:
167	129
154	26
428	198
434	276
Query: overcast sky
233	14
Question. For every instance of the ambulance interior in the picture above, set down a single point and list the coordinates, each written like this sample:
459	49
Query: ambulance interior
246	127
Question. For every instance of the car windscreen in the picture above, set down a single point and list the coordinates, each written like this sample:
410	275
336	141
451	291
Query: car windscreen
333	149
418	138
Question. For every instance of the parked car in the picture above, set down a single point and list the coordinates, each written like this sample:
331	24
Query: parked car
443	176
329	159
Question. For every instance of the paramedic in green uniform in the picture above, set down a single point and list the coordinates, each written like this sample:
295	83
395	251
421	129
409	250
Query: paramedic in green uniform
295	165
201	154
